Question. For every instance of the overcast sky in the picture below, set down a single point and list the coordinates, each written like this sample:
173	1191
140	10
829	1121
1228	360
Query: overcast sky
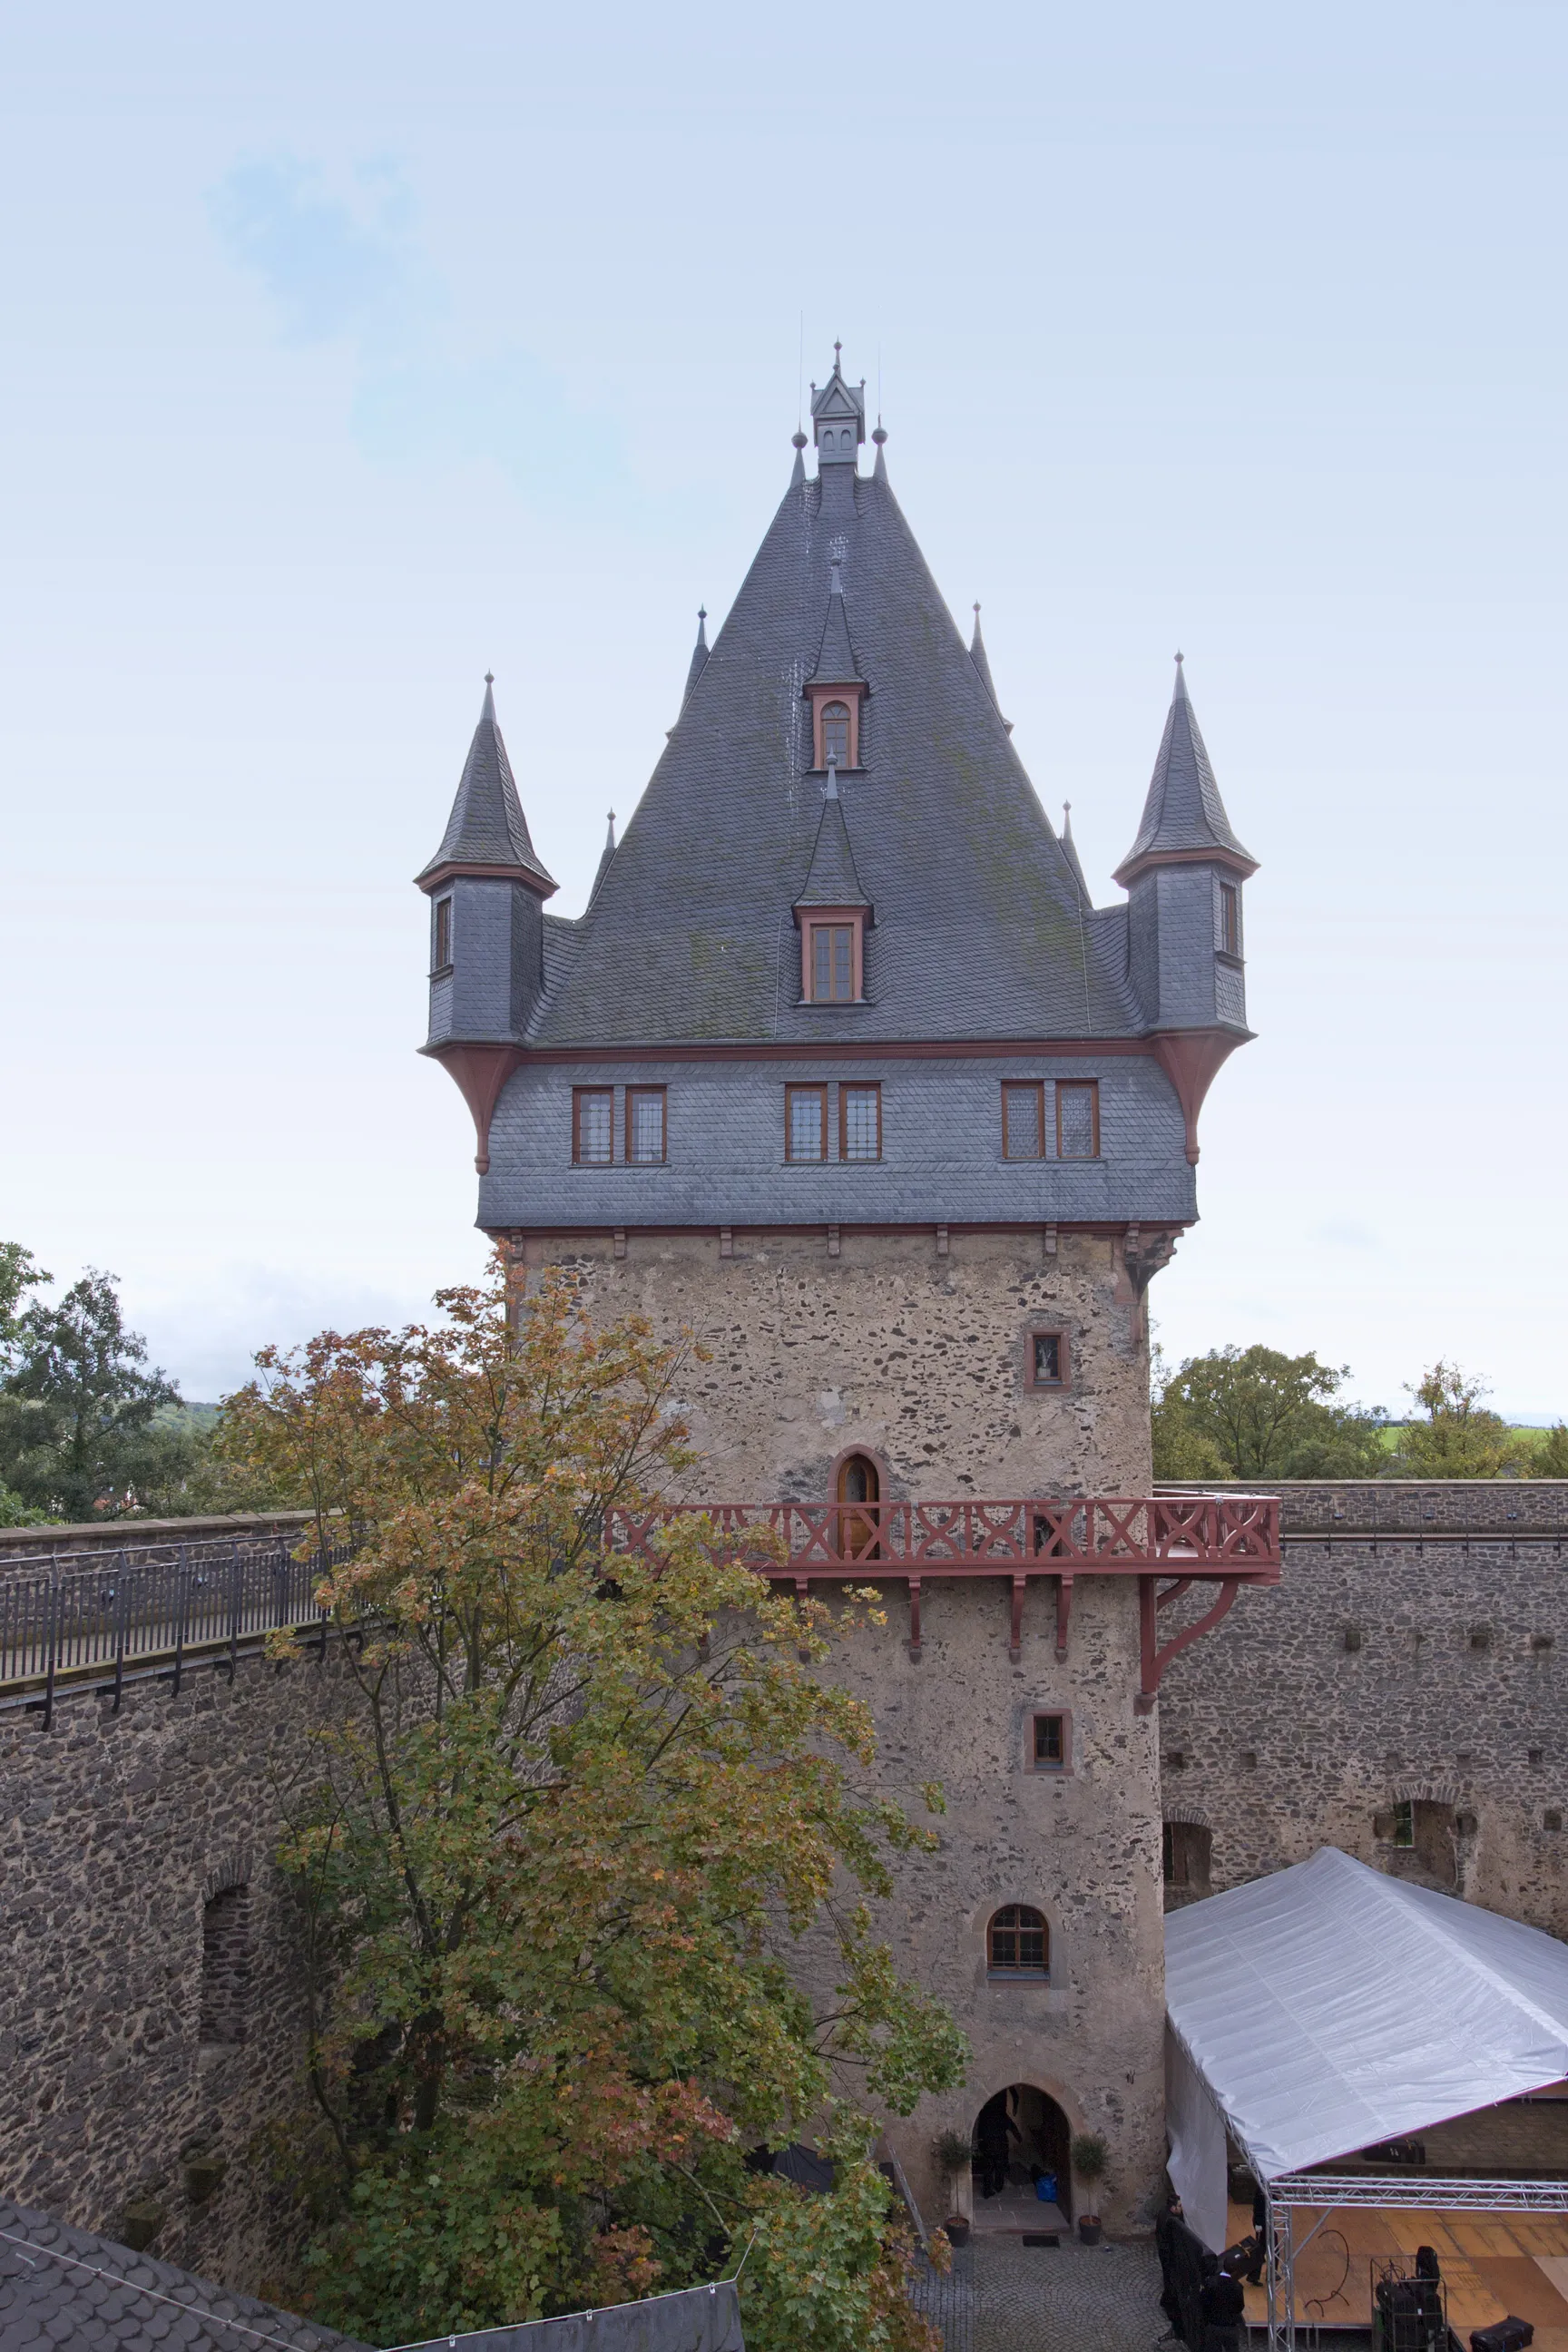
353	350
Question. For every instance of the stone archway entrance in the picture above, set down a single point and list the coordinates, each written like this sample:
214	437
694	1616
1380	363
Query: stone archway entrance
1021	2135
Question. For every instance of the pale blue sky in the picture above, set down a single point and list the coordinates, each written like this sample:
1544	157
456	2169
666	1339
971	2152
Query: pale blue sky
354	351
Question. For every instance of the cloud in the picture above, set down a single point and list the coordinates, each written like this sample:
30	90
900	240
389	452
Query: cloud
330	263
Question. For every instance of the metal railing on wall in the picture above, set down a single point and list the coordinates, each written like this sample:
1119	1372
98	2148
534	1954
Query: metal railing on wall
103	1617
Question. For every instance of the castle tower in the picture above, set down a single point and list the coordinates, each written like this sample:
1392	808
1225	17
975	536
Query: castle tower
842	1070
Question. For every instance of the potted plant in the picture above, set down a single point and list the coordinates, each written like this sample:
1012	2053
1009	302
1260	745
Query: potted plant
954	2154
1090	2157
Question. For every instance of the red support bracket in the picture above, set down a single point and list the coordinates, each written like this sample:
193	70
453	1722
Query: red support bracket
1015	1637
1156	1656
1064	1610
915	1619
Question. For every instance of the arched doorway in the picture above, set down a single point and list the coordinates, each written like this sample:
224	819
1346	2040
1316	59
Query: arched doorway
1022	2140
857	1483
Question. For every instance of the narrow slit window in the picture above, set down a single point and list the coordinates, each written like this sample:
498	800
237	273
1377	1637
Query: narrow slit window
833	963
1017	1942
805	1122
1229	918
1022	1121
1078	1119
860	1122
836	735
1050	1743
645	1126
443	934
594	1126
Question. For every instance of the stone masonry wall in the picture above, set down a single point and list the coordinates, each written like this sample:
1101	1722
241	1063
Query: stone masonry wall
1416	1648
124	1838
918	1359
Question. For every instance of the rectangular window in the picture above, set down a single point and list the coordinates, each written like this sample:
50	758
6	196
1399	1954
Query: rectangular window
833	963
1050	1743
1078	1119
805	1122
1045	1359
860	1122
1404	1822
645	1126
592	1126
443	934
1229	919
1022	1121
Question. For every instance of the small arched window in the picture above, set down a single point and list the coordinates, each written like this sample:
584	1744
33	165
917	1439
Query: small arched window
1017	1943
836	735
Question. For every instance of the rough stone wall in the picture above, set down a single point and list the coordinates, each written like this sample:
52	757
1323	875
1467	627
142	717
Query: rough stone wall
1416	1648
124	1838
919	1359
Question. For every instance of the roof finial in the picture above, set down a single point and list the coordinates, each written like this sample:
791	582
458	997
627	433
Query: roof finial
830	789
1180	694
489	678
1067	816
836	349
610	842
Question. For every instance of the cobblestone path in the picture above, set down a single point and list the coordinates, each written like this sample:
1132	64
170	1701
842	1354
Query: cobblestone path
1004	2296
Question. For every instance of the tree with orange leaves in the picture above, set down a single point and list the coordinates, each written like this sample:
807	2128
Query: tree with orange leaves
569	1829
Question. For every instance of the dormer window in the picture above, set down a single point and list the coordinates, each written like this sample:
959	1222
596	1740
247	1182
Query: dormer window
836	736
835	726
832	955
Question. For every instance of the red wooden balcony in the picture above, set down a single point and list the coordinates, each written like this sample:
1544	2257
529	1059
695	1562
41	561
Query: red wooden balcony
1168	1542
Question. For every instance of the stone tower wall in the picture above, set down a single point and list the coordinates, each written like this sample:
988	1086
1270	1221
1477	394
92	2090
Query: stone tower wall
918	1358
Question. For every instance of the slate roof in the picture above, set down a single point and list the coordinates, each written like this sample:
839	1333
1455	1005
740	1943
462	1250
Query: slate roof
977	655
65	2288
487	827
981	928
832	880
835	655
699	651
1183	810
1070	850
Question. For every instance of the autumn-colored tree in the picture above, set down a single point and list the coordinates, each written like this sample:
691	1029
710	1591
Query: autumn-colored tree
1460	1436
570	1838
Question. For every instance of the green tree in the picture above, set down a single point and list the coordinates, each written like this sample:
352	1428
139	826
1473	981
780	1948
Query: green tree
1550	1459
1255	1412
77	1404
1461	1437
578	1822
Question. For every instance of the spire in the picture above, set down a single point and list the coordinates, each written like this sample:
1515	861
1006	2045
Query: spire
832	880
487	831
699	651
797	471
604	856
978	656
1184	817
835	656
880	471
1069	851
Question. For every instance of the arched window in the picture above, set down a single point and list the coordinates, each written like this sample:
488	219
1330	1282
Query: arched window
836	735
1018	1943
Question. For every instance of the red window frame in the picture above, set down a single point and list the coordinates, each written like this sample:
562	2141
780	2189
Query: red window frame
647	1094
1036	1088
859	1087
1091	1086
791	1095
1033	1379
581	1094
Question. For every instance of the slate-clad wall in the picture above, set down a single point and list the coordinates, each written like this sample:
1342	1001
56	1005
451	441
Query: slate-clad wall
941	1147
1417	1647
117	1829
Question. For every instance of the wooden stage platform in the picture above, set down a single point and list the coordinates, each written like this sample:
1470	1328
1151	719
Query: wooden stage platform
1493	2264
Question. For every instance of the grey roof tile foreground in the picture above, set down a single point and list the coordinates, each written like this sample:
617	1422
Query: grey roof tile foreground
60	2287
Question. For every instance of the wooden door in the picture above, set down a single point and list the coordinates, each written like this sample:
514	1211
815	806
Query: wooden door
857	1483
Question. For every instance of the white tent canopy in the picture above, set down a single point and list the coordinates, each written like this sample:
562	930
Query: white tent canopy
1327	2006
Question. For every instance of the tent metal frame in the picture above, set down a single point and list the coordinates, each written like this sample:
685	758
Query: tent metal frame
1331	2191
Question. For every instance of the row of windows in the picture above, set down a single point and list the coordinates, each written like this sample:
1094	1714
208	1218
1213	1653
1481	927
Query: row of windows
844	1122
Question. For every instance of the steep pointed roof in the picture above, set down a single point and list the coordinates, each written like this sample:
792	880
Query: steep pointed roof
838	402
699	651
835	655
606	852
487	829
977	655
981	931
1184	817
832	880
1070	850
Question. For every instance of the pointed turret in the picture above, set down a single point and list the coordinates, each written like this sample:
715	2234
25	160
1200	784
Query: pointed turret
797	471
1183	875
880	471
487	888
699	651
604	856
487	831
977	655
1183	815
835	663
835	689
832	879
838	417
1069	851
833	911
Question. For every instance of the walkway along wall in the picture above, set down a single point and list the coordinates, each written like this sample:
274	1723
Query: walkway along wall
1402	1695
